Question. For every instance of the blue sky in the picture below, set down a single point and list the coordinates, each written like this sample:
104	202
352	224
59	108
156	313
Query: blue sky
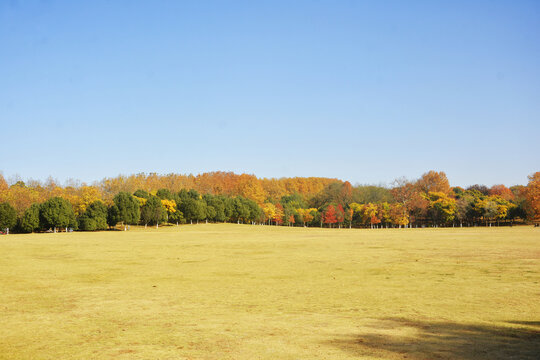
362	91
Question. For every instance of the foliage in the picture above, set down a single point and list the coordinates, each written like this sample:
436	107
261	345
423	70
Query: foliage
330	215
225	196
29	222
95	217
532	195
442	208
113	216
128	208
8	216
364	194
153	212
57	212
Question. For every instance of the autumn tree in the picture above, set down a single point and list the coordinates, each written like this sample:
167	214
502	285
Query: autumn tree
406	194
278	215
433	181
532	196
370	213
349	216
329	216
442	208
501	191
307	215
3	183
269	211
248	186
398	216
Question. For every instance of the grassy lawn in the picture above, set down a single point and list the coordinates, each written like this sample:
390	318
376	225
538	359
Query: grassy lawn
262	292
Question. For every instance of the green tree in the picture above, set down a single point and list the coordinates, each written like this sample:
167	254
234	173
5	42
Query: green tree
241	211
255	212
364	194
113	216
94	218
128	208
193	209
176	217
153	212
142	194
8	216
296	201
57	212
215	208
164	194
29	222
228	208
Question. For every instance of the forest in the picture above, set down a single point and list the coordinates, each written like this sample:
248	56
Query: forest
154	200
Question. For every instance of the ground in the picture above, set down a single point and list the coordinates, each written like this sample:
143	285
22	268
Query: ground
265	292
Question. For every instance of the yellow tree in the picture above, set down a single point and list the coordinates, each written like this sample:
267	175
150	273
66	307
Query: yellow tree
20	197
441	206
141	200
398	216
357	209
169	205
371	212
307	215
269	210
249	187
83	197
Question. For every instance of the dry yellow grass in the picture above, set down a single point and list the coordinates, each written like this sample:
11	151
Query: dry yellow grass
261	292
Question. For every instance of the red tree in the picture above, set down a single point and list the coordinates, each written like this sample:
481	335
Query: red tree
502	191
291	220
330	215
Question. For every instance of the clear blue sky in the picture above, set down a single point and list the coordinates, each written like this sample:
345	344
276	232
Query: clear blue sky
365	92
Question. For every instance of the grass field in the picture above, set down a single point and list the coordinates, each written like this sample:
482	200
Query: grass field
262	292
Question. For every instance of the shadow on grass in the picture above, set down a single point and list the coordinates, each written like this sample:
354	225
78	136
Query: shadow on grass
401	338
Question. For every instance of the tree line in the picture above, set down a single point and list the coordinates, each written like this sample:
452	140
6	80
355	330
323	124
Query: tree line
426	201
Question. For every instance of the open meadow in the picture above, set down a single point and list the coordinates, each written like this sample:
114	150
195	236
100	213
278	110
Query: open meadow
264	292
